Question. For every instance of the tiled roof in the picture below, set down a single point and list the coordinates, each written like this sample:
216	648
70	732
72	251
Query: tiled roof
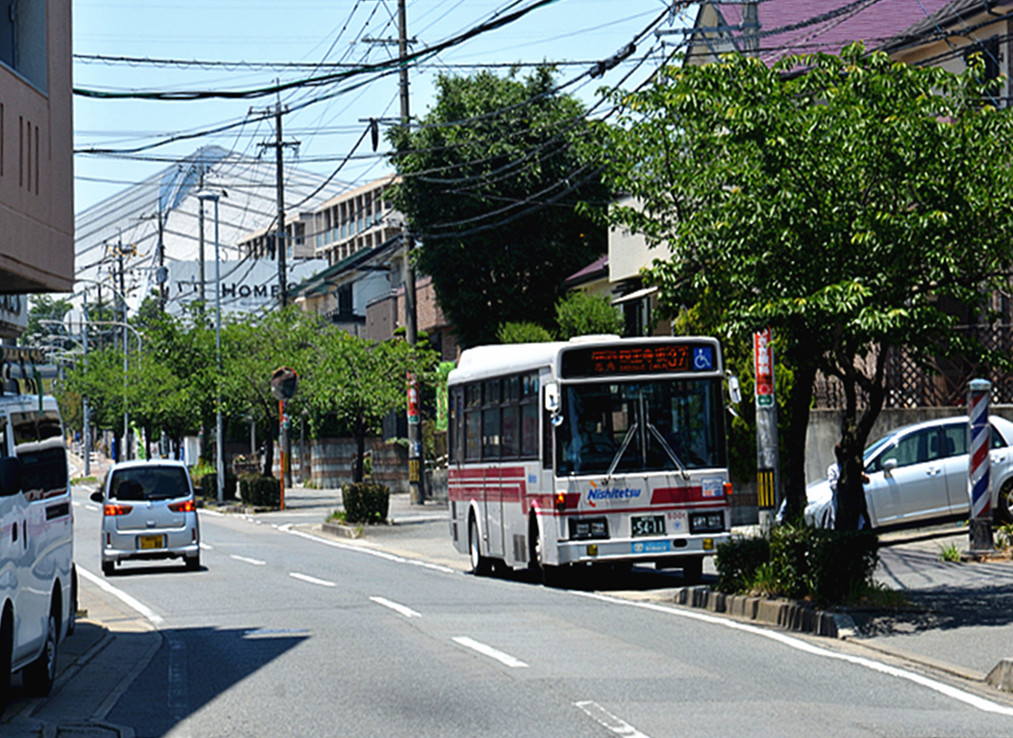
808	26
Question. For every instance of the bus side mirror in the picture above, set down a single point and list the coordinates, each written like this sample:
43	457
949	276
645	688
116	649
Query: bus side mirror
10	476
552	398
734	392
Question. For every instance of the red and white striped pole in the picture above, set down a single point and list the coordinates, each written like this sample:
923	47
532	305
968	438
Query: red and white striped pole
979	487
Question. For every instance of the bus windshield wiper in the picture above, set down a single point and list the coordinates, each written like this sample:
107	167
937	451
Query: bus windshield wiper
622	449
668	449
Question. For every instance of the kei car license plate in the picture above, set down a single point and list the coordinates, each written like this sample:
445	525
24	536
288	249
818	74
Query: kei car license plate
648	525
149	542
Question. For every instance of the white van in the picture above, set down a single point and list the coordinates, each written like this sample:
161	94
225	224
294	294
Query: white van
38	582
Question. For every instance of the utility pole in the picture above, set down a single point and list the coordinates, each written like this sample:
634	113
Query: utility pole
281	240
200	237
279	145
416	457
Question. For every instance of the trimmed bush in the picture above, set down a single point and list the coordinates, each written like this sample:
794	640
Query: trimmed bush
826	567
257	490
365	502
208	483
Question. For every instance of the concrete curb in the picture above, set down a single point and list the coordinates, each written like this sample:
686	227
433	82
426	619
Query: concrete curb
787	614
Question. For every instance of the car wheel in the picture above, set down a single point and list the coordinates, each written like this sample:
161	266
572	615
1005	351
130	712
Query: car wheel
6	647
480	565
108	567
38	676
193	562
1004	504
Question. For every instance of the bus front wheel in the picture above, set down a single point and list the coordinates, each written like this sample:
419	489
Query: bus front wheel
480	565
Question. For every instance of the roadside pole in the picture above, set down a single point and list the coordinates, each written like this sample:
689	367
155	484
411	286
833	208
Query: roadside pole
767	455
979	487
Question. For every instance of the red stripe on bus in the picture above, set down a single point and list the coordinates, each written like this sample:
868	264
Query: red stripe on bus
669	495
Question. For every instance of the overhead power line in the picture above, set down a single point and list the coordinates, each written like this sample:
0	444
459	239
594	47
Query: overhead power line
326	79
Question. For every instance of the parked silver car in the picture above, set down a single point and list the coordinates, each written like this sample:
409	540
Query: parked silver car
148	512
918	474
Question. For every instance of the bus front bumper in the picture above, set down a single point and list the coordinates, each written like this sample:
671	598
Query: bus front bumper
639	549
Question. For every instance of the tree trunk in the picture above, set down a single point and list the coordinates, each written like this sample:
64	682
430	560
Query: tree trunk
268	455
852	511
360	450
798	423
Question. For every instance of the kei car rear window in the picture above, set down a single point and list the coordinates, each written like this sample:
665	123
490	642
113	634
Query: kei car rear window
149	483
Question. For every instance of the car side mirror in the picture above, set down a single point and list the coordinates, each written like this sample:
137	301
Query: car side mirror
888	466
96	496
10	476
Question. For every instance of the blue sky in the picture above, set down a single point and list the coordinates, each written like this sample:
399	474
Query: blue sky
308	31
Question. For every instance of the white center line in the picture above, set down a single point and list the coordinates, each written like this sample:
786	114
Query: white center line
246	559
503	658
311	580
396	607
606	719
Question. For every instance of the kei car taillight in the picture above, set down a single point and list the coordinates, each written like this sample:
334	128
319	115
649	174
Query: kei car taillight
116	509
183	507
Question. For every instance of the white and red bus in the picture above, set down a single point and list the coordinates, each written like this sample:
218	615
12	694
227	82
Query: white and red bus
599	450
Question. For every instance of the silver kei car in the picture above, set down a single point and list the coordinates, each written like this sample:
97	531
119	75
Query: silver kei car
148	512
918	474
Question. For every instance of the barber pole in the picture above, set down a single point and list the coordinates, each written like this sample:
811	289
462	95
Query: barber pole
979	486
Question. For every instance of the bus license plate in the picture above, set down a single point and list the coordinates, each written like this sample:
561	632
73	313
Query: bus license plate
648	525
149	542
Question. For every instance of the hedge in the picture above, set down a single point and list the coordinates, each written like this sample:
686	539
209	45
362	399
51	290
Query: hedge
365	502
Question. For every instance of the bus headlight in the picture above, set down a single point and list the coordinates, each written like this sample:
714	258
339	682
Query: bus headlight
712	522
585	528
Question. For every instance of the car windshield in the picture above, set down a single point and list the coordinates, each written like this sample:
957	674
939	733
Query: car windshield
663	425
149	483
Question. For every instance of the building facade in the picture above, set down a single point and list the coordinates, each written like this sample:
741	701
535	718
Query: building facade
355	220
36	155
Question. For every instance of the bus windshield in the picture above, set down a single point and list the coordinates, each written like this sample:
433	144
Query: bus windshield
631	427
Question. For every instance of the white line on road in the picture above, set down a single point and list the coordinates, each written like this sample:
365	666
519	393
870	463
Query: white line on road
371	551
503	658
606	719
403	609
960	695
128	600
248	560
206	546
311	580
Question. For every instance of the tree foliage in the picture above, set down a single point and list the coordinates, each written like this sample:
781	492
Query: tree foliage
346	383
581	313
846	207
490	183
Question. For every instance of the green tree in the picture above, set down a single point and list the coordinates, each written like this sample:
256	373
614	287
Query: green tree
252	348
581	313
491	180
843	207
43	307
357	382
522	333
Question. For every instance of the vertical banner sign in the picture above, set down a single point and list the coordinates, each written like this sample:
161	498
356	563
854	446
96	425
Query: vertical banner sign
442	373
413	419
763	360
767	462
979	487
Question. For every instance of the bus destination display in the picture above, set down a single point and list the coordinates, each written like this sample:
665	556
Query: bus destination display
642	359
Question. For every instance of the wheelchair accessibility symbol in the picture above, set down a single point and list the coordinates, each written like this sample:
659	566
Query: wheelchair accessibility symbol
703	359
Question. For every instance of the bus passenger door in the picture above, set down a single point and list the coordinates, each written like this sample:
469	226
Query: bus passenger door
493	494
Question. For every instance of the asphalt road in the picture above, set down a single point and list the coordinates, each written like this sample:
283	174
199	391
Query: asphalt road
283	633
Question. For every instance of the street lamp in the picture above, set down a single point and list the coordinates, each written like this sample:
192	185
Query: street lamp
219	461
